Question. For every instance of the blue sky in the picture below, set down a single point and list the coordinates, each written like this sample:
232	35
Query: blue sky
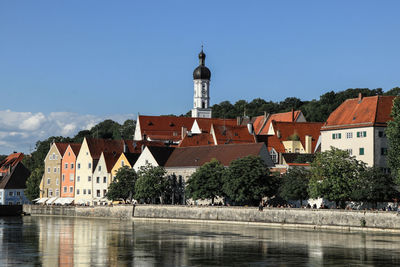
65	65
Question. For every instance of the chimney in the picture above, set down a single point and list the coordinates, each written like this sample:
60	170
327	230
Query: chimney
125	146
250	128
238	120
183	132
308	141
292	115
359	98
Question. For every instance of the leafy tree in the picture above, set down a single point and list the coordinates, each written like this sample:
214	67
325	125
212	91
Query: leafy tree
394	91
393	137
123	186
334	174
151	183
32	190
247	180
175	189
295	185
373	186
206	182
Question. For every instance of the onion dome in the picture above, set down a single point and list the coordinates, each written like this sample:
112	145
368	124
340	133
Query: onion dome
201	72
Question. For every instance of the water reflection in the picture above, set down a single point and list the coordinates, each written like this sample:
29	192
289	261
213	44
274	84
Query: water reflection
52	241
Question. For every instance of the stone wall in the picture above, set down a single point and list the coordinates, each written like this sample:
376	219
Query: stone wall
272	216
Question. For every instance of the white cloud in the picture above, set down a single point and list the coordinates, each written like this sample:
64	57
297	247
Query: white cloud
19	131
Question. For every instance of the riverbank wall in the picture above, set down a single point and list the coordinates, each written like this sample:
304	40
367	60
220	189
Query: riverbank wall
310	218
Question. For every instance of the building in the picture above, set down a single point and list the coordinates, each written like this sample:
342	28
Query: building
153	155
125	159
358	126
201	97
13	176
68	164
51	185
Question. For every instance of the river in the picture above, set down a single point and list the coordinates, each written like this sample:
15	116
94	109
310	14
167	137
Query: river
55	241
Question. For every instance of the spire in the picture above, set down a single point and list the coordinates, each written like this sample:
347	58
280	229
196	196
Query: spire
202	57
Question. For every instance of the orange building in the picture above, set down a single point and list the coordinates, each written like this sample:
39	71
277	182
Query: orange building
68	170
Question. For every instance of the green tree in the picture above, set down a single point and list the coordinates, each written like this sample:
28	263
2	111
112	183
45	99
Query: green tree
295	184
334	174
393	137
373	186
151	183
175	189
206	182
32	190
247	180
123	186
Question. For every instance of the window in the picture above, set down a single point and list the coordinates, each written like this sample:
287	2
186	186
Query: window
89	191
146	161
57	193
66	166
104	193
11	193
71	177
65	189
297	150
55	169
18	203
90	165
18	193
104	179
77	191
383	151
361	151
336	136
72	166
84	191
71	189
58	170
10	203
50	192
99	168
78	178
381	134
98	180
98	193
69	153
89	178
48	170
122	163
57	181
79	166
48	181
361	134
63	177
54	155
350	151
274	156
349	135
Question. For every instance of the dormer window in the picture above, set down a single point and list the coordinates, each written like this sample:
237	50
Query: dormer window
150	123
171	124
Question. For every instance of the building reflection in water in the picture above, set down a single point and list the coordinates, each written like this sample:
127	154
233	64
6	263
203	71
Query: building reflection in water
52	241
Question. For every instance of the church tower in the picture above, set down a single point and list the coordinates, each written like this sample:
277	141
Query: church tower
201	98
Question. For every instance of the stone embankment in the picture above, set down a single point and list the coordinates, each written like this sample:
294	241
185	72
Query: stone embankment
310	218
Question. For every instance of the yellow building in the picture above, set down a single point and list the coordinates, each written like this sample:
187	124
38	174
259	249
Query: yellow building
125	159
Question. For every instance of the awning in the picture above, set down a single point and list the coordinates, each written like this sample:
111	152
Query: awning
42	200
51	200
58	201
36	199
68	200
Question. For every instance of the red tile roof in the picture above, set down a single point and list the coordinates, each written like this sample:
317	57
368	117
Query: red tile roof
10	161
226	134
197	156
96	146
110	159
61	147
203	139
205	123
287	129
75	148
360	112
261	126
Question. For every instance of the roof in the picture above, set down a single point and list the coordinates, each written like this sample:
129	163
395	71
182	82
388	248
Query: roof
97	146
361	112
164	127
10	161
161	154
203	139
132	157
261	123
226	134
297	158
197	156
75	148
110	159
286	129
61	147
16	178
205	123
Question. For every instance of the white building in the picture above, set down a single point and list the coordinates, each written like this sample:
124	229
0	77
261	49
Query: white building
358	126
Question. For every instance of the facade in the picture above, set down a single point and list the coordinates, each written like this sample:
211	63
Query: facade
51	181
13	176
68	164
155	156
125	159
102	176
358	126
201	98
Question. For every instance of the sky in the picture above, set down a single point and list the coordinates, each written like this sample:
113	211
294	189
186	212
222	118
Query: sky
67	65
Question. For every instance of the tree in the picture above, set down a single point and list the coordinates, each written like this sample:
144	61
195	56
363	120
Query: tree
123	186
295	184
32	190
334	174
151	183
247	180
175	189
373	186
206	182
393	137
